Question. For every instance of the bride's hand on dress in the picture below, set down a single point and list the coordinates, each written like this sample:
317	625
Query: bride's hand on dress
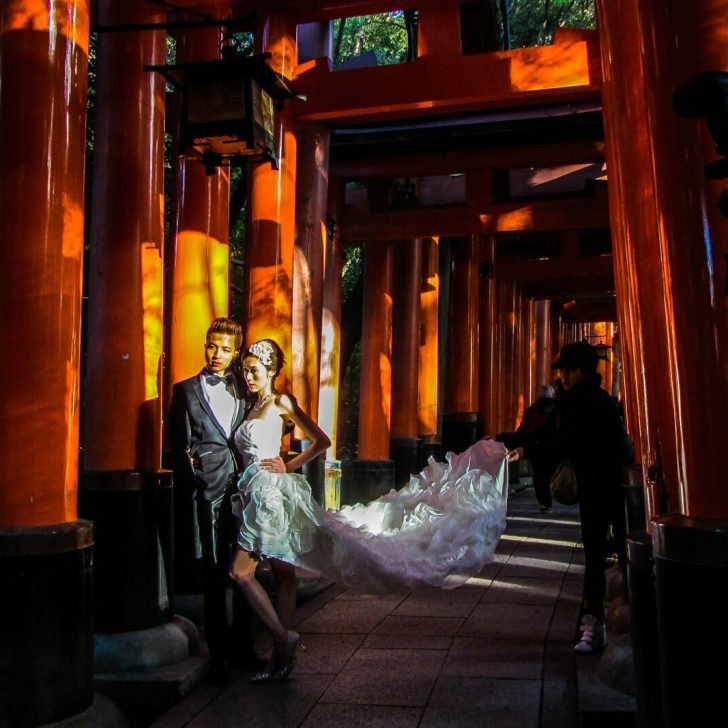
273	465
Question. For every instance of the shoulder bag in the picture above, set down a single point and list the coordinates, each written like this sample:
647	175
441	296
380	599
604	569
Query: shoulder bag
563	485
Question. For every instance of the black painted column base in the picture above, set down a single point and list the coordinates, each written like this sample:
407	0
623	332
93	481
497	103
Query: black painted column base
46	623
431	448
133	517
634	499
460	430
643	615
691	580
365	480
145	658
405	452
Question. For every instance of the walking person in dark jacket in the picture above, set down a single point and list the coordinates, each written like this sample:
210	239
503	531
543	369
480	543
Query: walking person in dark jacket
538	423
591	433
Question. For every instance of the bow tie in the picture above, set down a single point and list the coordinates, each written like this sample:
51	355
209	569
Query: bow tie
214	379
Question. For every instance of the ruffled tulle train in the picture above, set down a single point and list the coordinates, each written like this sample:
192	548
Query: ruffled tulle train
438	530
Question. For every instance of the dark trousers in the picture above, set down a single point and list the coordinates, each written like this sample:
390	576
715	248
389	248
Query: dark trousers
542	472
596	514
218	531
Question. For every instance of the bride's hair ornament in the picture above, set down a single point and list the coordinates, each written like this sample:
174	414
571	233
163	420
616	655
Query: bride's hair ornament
268	353
264	351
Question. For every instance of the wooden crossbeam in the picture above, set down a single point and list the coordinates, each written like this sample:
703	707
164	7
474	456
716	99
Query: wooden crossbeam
459	161
568	70
545	215
550	269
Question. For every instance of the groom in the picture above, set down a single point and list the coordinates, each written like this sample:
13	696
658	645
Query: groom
205	412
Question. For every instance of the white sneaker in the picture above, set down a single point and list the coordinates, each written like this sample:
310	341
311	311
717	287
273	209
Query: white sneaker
593	636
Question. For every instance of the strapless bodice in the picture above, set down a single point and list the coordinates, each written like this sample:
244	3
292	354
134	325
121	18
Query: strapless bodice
259	438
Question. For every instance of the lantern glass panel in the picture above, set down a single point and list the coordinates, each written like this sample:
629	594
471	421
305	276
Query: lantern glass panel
220	99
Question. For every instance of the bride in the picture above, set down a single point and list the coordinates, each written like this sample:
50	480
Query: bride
438	530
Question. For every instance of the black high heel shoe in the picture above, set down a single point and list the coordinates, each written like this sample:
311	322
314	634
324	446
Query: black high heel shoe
289	661
269	672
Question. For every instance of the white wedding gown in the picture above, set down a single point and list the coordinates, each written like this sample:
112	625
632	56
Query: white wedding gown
438	530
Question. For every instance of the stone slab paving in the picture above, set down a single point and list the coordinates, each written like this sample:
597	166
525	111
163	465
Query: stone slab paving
494	652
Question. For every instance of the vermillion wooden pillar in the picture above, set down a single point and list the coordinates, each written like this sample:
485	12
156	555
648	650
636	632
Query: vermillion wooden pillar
373	473
328	409
438	29
555	329
690	245
542	343
125	276
460	422
672	44
312	181
404	448
428	375
308	266
638	260
508	345
529	353
46	628
376	353
270	238
488	384
200	279
122	488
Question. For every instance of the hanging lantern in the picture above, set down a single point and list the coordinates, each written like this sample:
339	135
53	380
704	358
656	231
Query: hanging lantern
227	109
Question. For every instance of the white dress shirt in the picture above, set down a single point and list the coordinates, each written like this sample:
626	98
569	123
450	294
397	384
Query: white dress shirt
223	400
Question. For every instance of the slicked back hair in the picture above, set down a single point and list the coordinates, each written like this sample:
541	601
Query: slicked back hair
229	327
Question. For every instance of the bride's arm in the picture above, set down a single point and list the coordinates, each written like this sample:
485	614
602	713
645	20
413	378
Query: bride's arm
319	440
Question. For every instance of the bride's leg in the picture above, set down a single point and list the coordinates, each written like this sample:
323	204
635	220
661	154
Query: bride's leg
242	572
286	602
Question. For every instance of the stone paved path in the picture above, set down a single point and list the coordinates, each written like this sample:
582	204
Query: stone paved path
496	652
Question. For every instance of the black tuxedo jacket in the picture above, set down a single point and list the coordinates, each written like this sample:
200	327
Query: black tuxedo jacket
203	457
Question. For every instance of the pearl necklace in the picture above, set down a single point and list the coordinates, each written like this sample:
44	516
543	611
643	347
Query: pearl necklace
261	402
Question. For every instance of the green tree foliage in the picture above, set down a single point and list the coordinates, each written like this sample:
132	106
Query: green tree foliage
384	34
532	22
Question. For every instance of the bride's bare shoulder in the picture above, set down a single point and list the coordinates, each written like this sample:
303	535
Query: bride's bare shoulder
287	403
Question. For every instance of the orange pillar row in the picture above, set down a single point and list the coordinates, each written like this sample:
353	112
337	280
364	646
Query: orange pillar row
46	554
123	406
405	359
200	242
329	387
43	62
488	375
312	174
376	353
271	214
428	374
460	423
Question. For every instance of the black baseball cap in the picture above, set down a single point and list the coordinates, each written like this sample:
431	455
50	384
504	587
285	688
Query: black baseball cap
578	355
